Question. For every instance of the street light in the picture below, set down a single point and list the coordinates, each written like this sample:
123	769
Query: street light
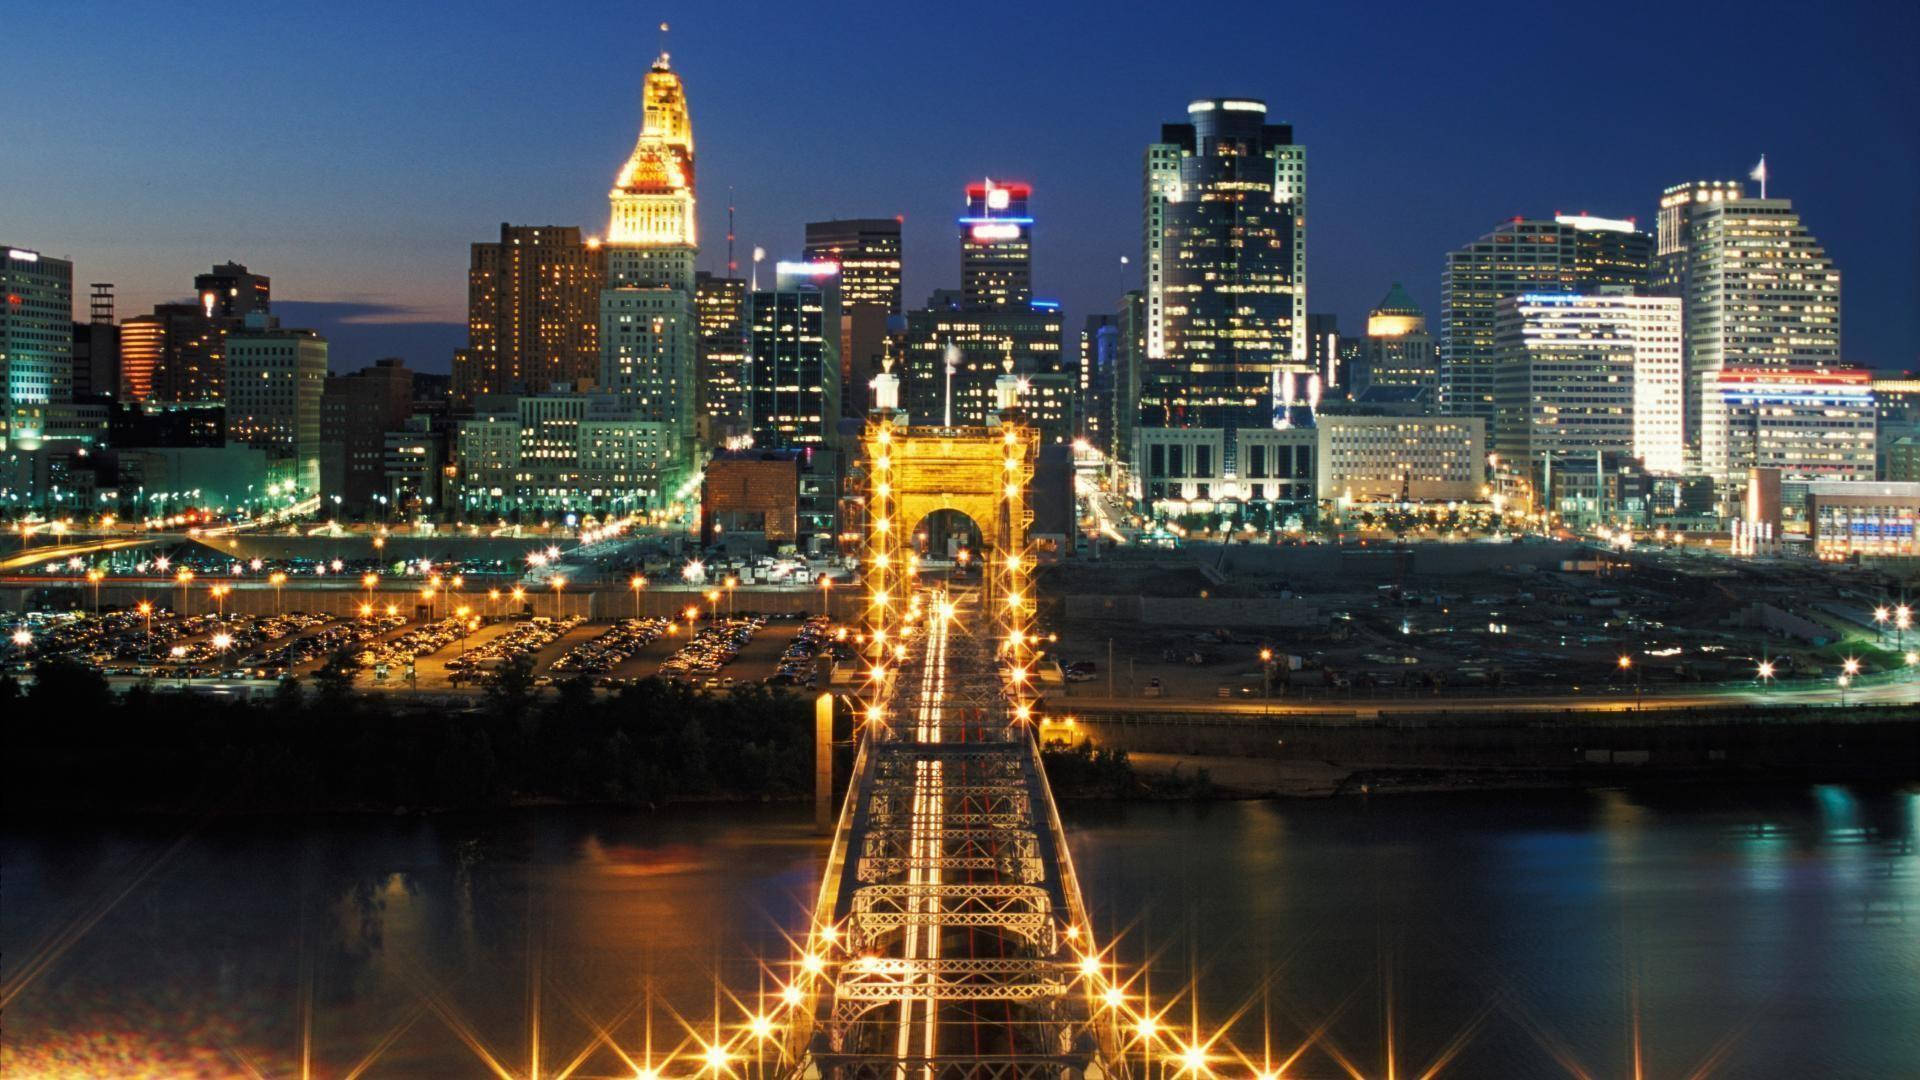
1626	664
185	578
826	586
276	579
368	581
1765	671
558	584
637	583
730	583
94	575
220	599
146	612
713	605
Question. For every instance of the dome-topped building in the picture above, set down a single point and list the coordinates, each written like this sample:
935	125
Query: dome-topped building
1395	315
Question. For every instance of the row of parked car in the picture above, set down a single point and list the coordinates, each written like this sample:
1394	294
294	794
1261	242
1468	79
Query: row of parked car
415	643
711	649
796	667
609	650
528	637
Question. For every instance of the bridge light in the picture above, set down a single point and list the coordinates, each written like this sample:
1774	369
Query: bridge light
760	1026
1114	998
791	995
873	714
716	1056
1013	491
829	933
1089	965
878	674
813	965
1146	1027
1194	1060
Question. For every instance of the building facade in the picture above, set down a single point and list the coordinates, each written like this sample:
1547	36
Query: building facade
1225	261
1759	291
36	343
868	253
275	381
1581	375
532	312
1808	423
996	248
356	412
793	392
721	304
1391	459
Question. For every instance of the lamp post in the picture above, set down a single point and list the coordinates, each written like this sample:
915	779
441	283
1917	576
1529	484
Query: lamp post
493	602
146	612
1848	670
220	641
730	583
826	587
462	612
1765	672
367	582
426	595
94	575
185	578
519	597
1902	619
1880	616
692	613
220	599
276	579
637	583
1626	663
558	584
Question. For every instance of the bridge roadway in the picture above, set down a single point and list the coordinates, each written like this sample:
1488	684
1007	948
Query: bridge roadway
946	938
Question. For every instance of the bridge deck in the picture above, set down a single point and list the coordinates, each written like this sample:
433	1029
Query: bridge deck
950	910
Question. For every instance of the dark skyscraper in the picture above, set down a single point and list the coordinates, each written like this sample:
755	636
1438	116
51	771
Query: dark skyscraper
1226	258
996	248
867	250
231	291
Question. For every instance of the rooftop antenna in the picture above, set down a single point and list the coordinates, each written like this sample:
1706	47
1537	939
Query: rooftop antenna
733	268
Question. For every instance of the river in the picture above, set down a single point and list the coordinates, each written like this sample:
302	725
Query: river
1720	931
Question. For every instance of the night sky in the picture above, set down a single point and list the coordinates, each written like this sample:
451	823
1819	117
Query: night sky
353	150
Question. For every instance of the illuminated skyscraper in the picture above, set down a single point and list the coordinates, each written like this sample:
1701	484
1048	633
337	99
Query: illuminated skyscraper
794	397
722	304
1225	210
648	326
996	248
36	341
1572	253
275	378
1581	375
1758	290
533	302
867	250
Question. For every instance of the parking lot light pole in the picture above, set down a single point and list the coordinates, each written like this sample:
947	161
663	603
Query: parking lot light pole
94	575
730	583
276	579
637	583
185	578
146	612
1626	663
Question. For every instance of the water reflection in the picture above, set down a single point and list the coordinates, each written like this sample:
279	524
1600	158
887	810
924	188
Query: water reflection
1677	933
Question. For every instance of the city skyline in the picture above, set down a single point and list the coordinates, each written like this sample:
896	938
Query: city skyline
412	166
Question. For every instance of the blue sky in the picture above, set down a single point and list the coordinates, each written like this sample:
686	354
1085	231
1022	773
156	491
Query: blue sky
353	150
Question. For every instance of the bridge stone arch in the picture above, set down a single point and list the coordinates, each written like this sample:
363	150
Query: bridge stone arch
984	473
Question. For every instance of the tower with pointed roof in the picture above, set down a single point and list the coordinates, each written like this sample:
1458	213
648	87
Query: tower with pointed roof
1399	359
648	322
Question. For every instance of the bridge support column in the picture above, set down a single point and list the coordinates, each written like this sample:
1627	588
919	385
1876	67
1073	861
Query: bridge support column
823	765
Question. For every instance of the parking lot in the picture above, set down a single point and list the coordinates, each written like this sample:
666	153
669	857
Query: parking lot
397	654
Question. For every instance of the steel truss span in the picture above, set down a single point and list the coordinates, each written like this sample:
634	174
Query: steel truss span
949	939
